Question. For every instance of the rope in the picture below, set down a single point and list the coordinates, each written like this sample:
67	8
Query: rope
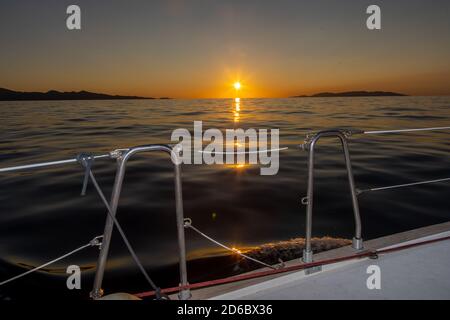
188	224
402	185
406	130
86	162
260	274
92	243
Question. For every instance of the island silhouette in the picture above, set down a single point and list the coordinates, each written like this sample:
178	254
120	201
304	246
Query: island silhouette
10	95
352	94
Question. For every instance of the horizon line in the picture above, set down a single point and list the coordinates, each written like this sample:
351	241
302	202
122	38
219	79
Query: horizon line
162	97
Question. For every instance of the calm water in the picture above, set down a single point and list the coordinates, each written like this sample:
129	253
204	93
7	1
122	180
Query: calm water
42	214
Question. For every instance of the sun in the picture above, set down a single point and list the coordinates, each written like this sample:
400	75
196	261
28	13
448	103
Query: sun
237	85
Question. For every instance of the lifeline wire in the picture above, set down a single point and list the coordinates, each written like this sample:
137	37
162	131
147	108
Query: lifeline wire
403	185
188	224
67	161
48	164
406	130
92	243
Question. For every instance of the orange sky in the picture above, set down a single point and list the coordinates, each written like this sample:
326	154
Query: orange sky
197	49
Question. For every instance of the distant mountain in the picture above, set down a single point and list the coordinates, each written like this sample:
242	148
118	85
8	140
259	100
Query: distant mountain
353	94
9	95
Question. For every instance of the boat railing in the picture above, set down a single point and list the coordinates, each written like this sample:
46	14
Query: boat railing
122	156
310	144
122	160
343	135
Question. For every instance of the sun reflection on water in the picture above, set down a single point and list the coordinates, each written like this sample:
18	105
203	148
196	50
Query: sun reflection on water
237	109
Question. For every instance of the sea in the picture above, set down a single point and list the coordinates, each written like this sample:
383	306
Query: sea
43	215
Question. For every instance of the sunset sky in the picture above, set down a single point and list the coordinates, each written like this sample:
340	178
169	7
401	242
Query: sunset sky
197	49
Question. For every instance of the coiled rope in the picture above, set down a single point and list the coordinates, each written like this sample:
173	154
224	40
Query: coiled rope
188	225
94	242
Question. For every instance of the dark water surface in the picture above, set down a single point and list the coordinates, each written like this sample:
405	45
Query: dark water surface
42	214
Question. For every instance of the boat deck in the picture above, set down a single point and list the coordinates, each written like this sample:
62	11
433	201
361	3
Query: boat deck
421	272
416	273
